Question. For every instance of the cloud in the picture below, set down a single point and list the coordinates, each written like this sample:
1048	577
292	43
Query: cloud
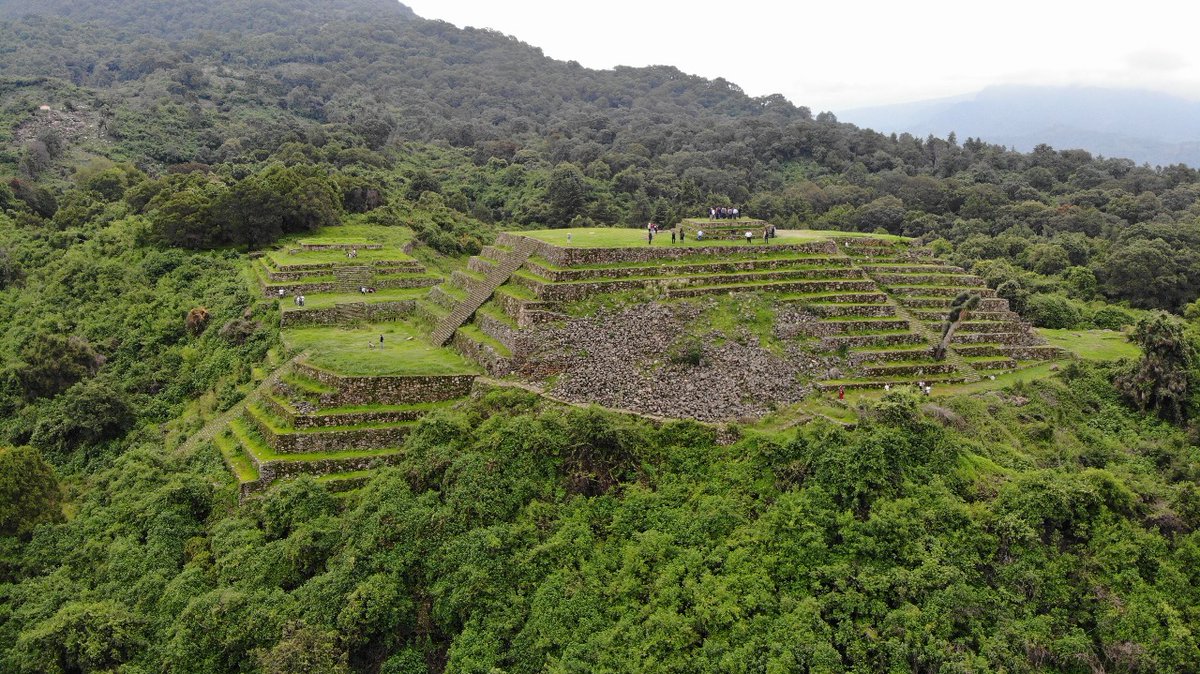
1155	60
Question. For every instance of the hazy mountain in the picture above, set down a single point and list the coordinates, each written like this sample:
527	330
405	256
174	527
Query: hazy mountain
1141	125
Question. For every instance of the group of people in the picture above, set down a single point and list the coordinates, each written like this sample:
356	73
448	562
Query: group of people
722	213
352	253
299	300
365	290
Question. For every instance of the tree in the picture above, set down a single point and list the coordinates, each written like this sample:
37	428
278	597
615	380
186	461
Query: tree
81	637
53	362
566	193
29	492
1163	379
304	649
87	414
960	310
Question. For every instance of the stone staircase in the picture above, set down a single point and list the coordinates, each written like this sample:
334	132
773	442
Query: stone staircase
482	291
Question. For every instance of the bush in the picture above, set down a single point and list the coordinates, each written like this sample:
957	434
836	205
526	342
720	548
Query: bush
1052	311
1111	318
1015	293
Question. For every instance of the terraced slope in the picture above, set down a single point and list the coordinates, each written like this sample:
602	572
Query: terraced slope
368	377
878	304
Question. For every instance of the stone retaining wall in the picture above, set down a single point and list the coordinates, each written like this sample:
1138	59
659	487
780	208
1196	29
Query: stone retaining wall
840	298
568	292
915	370
972	350
329	441
495	364
459	279
570	257
1032	352
291	289
955	280
1000	364
302	421
480	265
500	331
880	384
902	268
778	287
940	291
405	281
847	310
849	327
1006	338
988	303
830	267
374	311
440	297
269	471
860	357
837	341
389	390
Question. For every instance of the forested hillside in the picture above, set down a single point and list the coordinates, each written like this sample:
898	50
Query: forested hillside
147	147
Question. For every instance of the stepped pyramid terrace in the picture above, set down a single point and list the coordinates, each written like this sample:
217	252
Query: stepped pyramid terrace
716	330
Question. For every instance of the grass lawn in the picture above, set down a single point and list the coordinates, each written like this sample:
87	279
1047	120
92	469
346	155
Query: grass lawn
356	351
1092	344
282	258
355	232
619	237
326	300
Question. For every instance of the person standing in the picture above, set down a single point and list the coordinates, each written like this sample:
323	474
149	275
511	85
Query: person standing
749	236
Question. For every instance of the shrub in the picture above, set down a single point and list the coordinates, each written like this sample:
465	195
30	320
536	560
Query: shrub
1111	318
1052	311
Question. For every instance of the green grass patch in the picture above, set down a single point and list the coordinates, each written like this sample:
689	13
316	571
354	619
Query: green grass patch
253	441
355	232
241	464
1092	344
473	333
357	351
327	300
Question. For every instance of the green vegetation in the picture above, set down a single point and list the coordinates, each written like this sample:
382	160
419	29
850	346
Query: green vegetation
1045	520
607	237
1093	344
359	352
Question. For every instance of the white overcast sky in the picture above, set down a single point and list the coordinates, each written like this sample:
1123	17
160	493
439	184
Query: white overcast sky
841	54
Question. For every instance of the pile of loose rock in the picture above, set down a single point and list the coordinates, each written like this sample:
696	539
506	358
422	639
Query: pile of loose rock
641	358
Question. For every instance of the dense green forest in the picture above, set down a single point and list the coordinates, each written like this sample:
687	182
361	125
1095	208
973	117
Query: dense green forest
1048	527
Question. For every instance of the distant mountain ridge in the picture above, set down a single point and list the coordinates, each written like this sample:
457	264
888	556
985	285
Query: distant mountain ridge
1147	127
